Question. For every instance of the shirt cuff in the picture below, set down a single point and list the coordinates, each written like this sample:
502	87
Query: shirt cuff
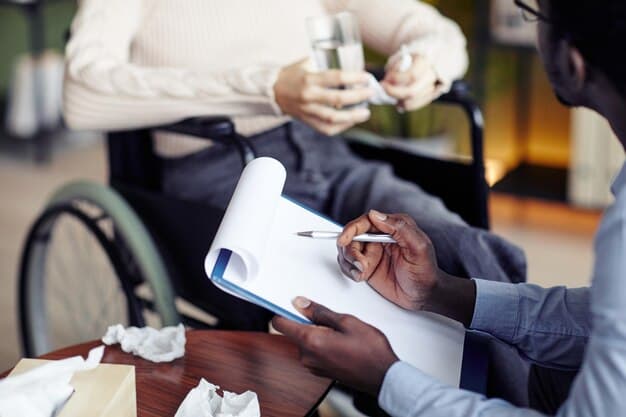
402	388
497	309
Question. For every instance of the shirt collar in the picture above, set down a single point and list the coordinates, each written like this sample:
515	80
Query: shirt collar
619	183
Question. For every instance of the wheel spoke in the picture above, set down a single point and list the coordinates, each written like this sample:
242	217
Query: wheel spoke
60	298
96	275
79	276
83	285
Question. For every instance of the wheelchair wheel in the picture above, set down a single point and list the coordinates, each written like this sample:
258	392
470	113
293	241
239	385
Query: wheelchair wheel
88	262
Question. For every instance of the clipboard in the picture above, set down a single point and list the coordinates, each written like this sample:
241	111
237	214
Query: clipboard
257	256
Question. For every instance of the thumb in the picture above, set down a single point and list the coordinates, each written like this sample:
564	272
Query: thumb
318	314
381	221
405	232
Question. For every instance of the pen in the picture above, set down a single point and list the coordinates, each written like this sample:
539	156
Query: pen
366	237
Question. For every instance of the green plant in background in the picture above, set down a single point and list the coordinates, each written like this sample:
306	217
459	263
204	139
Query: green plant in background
14	34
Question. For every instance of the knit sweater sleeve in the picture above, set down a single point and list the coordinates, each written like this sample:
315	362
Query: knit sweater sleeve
105	90
387	25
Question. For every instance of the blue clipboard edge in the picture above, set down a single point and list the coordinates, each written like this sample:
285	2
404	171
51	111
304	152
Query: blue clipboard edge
217	275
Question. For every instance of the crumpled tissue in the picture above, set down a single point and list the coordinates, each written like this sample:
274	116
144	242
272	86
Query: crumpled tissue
204	401
380	96
42	391
162	345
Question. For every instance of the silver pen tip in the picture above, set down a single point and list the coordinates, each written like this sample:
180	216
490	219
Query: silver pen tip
305	234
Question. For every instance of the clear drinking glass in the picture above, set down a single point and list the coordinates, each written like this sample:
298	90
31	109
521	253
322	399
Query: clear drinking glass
336	42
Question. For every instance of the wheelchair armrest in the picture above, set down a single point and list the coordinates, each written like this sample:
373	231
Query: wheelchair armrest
460	95
215	128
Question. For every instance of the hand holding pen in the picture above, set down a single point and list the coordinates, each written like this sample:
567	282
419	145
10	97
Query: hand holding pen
405	272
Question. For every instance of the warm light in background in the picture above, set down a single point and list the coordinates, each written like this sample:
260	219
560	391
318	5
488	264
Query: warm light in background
495	170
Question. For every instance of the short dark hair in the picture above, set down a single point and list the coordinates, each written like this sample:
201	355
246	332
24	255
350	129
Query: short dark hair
598	29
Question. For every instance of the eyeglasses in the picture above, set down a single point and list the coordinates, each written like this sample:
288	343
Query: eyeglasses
531	12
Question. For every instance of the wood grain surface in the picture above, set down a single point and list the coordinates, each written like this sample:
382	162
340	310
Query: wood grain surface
236	361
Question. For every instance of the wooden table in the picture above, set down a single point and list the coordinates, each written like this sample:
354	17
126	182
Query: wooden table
236	361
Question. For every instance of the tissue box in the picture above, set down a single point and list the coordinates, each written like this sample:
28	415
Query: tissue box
106	391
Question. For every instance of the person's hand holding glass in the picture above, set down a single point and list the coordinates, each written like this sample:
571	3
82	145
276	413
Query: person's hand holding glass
329	93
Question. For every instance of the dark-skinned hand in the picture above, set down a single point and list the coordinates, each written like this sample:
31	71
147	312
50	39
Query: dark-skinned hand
405	272
339	346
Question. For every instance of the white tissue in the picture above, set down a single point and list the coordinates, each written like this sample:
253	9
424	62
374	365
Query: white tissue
380	96
154	345
42	391
204	401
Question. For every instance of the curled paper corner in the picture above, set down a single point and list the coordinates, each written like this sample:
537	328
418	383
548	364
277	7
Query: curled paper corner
267	164
240	262
250	211
162	345
266	160
204	401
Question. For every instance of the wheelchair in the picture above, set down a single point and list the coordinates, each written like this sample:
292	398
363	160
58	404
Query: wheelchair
126	253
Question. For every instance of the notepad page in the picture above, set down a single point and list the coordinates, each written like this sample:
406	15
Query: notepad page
294	265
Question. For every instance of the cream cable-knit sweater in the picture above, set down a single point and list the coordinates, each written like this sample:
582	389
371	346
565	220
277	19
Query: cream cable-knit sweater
137	63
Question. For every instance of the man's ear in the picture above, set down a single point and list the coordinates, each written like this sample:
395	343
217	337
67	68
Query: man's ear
576	67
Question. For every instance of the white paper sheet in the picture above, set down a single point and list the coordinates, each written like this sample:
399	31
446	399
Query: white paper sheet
286	266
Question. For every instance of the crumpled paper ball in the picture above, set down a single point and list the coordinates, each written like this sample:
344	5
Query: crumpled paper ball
162	345
204	401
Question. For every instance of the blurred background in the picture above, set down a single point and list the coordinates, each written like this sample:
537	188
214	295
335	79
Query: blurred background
547	197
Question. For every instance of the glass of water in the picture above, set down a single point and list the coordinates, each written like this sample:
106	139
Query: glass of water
336	42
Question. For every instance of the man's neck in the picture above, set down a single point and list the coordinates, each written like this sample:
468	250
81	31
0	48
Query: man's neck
612	106
617	119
